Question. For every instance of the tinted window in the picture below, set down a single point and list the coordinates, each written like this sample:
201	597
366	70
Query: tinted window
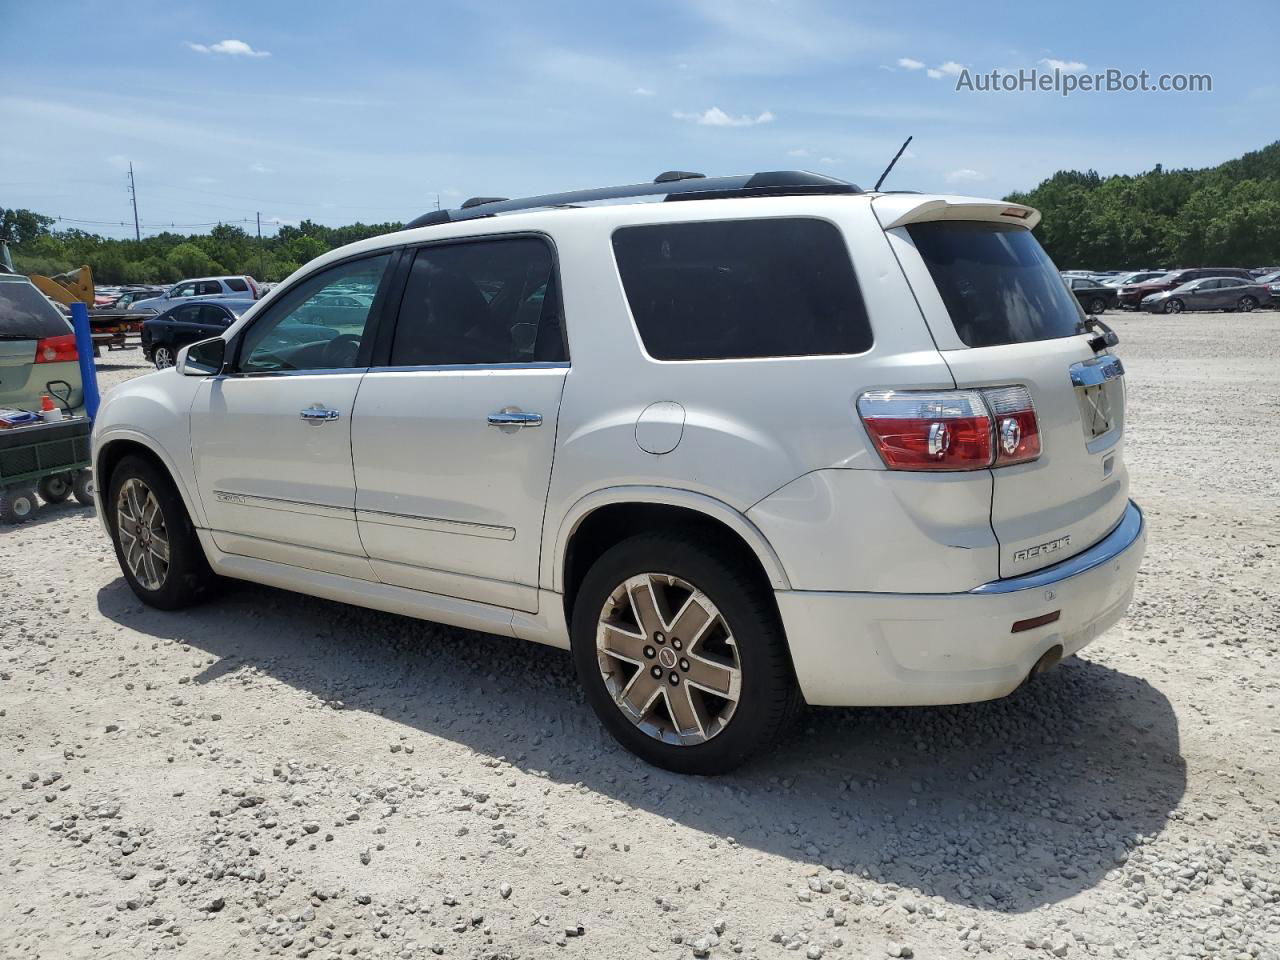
186	314
997	282
742	288
26	313
213	316
238	285
208	288
492	301
301	332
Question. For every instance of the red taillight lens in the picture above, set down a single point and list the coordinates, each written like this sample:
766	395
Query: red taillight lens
951	429
56	349
935	430
1016	427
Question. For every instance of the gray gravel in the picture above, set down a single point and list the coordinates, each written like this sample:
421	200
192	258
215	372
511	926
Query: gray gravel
280	776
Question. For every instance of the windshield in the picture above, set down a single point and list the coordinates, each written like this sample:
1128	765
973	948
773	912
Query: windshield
997	282
27	314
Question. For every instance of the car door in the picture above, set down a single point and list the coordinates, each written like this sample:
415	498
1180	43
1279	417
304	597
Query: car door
1228	293
271	436
210	321
455	428
176	328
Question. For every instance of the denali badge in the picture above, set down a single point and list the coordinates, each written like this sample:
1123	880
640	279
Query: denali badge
1040	549
224	497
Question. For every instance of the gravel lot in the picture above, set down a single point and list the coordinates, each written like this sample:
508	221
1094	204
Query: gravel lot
275	775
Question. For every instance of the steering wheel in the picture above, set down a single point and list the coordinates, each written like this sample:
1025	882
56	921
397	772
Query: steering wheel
340	352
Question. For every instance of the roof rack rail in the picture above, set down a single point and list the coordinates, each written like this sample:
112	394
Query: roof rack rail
670	176
689	186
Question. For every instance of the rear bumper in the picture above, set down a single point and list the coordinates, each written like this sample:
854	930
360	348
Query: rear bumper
894	649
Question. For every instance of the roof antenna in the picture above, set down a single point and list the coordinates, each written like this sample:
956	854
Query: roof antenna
876	188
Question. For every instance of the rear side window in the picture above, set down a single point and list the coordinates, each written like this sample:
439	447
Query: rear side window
26	314
997	282
741	289
238	285
488	301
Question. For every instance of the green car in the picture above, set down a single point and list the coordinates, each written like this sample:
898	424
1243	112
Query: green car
37	350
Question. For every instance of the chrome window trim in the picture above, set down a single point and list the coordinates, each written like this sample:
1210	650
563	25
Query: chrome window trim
463	367
1121	538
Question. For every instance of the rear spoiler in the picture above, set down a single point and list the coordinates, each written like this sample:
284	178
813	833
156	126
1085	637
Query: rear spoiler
898	210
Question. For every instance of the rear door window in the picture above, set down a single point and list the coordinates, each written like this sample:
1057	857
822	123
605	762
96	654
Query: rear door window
741	289
998	284
26	314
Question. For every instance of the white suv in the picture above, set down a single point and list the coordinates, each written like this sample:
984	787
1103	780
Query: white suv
782	439
236	288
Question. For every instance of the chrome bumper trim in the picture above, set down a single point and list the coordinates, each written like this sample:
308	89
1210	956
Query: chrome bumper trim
1126	532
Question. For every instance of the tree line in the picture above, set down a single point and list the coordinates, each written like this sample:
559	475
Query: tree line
1228	215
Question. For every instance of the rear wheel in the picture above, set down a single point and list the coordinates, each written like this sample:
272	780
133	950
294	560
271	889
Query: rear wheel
54	489
157	547
1097	305
1248	304
17	504
82	485
1173	306
162	356
681	654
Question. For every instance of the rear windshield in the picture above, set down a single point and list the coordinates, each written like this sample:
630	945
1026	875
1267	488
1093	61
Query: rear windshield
738	289
25	313
236	284
997	282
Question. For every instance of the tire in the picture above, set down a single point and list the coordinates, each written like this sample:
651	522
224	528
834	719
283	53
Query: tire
1097	305
1248	304
1173	306
723	732
83	485
152	532
162	356
17	504
55	488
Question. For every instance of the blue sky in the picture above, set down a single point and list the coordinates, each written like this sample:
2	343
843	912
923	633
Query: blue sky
344	112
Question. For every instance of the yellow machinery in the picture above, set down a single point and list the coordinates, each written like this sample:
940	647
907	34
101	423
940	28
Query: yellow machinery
67	288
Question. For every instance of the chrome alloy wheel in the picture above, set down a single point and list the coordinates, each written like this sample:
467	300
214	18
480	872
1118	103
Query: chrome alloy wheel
164	358
668	659
144	541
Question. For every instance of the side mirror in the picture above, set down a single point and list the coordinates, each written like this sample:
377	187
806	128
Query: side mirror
203	359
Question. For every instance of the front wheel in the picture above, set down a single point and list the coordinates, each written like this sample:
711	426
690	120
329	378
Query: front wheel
681	654
1173	306
156	545
17	504
82	485
163	357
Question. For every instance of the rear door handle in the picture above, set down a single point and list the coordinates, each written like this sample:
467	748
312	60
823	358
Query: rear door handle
515	418
318	414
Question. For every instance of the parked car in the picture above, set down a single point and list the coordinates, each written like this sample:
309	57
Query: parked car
1272	282
37	350
705	446
1094	297
1138	276
1211	293
1133	294
165	335
126	298
232	288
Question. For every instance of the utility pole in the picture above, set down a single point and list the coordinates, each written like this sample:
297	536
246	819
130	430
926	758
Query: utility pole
133	195
262	270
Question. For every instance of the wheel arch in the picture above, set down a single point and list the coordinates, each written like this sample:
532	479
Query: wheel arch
605	517
111	450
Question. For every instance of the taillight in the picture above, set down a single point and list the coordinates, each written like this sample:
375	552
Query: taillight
951	429
56	349
1016	428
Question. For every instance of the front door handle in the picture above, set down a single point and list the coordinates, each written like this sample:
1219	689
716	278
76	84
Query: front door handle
515	418
318	414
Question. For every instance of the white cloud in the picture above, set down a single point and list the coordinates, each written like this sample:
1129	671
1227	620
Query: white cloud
965	175
642	92
259	167
232	48
715	117
828	160
1065	66
948	69
906	63
798	152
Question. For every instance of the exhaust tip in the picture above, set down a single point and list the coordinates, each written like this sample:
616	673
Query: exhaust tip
1048	660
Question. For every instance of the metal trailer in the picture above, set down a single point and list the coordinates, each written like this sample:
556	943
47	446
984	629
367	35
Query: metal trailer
51	459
